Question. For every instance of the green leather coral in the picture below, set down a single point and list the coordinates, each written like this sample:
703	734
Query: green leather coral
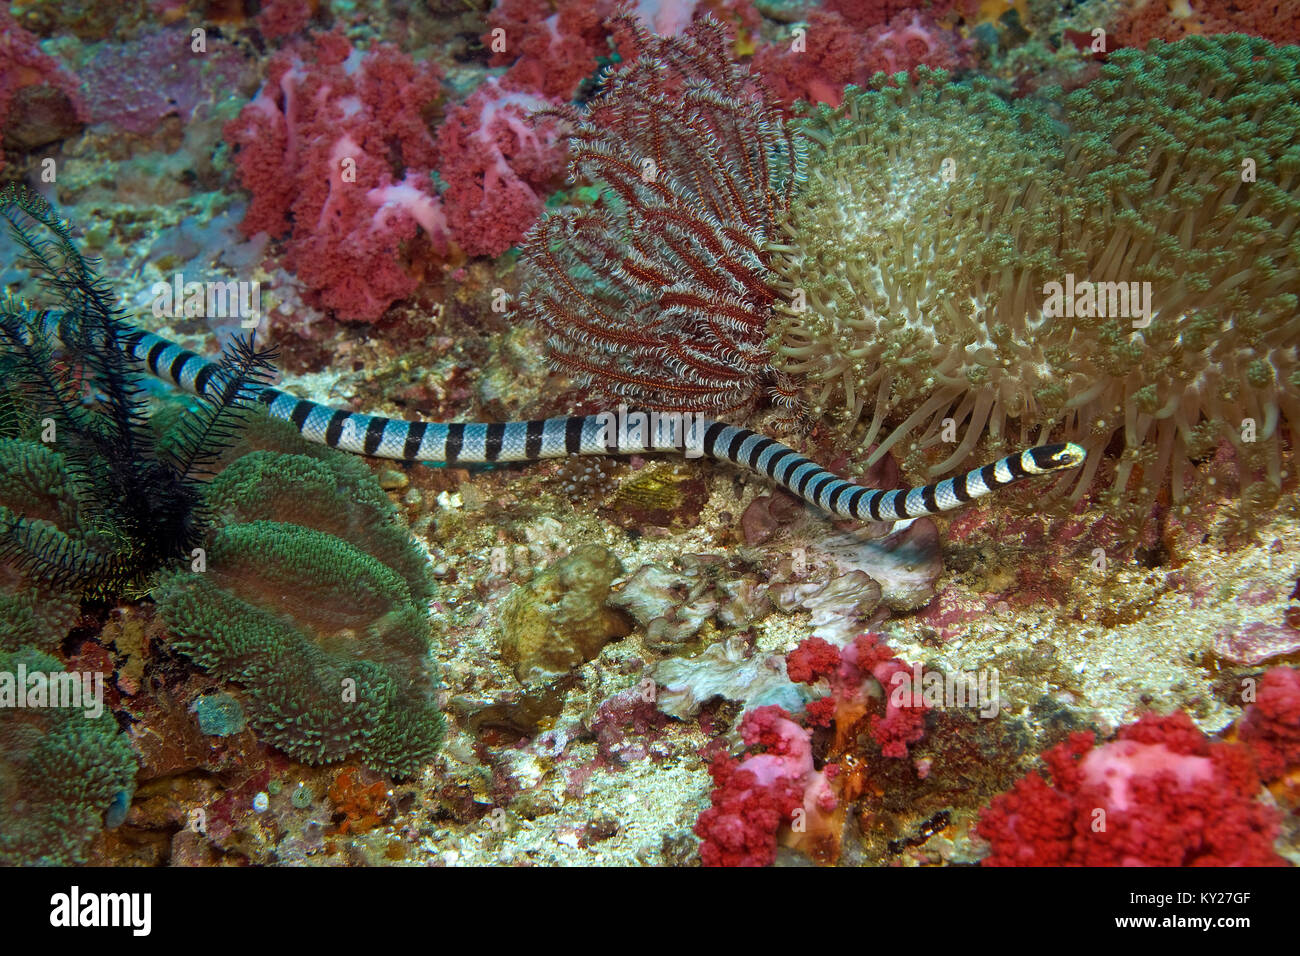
305	487
926	281
62	774
314	599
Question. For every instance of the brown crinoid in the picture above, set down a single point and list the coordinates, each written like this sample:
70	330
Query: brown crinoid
659	295
939	223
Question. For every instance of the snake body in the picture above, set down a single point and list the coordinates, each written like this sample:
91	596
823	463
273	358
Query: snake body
477	442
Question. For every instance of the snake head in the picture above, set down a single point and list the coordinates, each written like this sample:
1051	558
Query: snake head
1056	457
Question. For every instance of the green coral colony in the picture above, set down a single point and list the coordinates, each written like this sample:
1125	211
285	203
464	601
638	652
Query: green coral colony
916	265
315	600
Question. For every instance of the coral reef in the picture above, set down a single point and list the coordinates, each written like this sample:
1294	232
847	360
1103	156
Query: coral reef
34	484
283	18
865	14
855	673
220	715
363	804
725	669
63	772
675	604
314	601
1219	361
642	661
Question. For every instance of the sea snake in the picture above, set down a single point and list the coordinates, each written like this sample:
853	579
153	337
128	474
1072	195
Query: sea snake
473	443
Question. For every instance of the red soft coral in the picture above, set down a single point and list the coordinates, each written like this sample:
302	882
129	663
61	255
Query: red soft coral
834	54
903	722
740	828
1140	23
865	14
1271	725
858	674
281	18
812	660
550	47
754	798
910	40
1161	794
816	66
336	152
497	164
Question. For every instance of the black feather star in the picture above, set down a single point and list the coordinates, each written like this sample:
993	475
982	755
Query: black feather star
135	497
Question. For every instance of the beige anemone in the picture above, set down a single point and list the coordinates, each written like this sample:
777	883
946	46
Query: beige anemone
936	215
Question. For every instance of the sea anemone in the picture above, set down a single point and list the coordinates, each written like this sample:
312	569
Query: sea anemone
914	258
1189	167
920	259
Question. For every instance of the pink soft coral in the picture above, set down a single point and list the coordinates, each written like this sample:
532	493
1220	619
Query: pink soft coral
1161	794
754	798
1271	725
336	152
497	164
